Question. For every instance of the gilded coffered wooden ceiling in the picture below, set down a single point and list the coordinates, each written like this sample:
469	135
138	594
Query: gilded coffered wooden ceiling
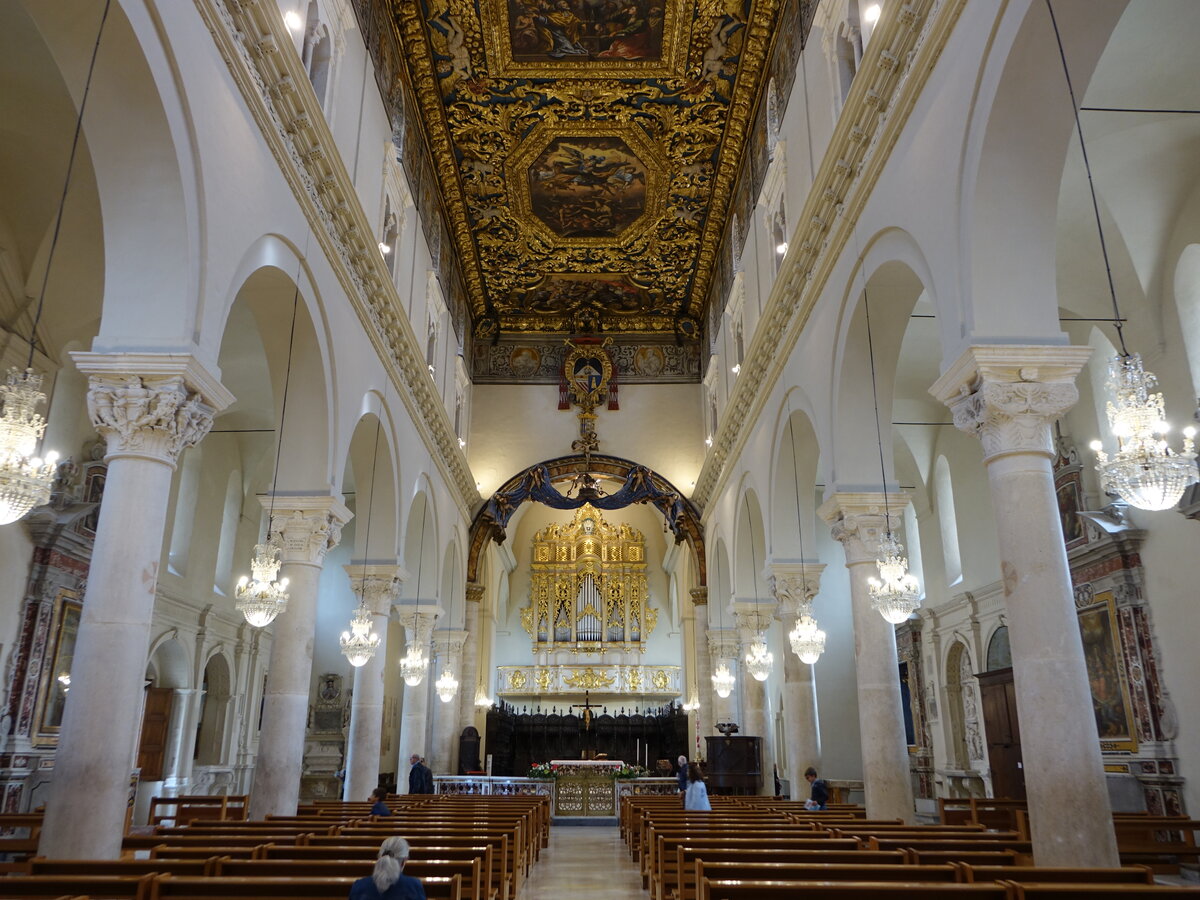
586	151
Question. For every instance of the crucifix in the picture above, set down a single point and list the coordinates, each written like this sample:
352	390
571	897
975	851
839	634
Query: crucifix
587	706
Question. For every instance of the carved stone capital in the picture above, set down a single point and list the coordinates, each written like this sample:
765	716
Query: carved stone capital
795	586
377	585
474	592
752	618
699	596
860	520
1009	396
723	643
308	527
150	405
448	644
418	620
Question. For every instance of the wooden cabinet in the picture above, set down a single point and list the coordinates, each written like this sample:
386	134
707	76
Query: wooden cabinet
734	765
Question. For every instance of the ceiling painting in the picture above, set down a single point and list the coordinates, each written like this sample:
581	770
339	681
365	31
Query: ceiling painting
586	151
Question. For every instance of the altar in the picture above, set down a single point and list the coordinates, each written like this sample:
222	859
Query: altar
585	787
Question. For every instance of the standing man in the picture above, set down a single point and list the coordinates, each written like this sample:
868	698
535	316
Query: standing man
820	790
419	776
683	778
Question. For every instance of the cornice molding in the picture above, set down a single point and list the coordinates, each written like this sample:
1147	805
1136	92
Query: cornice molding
252	39
895	68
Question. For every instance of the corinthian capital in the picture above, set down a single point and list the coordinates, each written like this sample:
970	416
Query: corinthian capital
150	405
474	592
378	585
448	644
699	596
308	527
859	520
1009	396
418	620
723	643
795	586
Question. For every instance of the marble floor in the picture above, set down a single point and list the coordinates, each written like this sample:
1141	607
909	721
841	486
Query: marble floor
584	862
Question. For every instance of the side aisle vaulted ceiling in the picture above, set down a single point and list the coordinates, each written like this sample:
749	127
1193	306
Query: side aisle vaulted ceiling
583	162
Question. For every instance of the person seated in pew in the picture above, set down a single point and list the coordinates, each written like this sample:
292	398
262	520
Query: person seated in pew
388	881
819	797
697	794
379	808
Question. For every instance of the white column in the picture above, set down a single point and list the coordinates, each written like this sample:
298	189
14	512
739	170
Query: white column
418	620
378	586
753	619
858	521
448	651
1009	397
181	730
723	648
795	586
473	626
751	623
704	690
310	526
148	408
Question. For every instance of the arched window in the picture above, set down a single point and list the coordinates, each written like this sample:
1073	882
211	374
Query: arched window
231	517
999	654
318	53
185	510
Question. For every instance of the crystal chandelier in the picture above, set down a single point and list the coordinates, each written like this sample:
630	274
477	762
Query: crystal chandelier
446	686
482	700
25	479
259	597
759	659
360	642
413	666
723	680
692	705
1144	472
808	641
898	593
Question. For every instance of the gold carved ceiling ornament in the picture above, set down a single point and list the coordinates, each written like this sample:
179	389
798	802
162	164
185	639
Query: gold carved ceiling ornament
586	152
588	589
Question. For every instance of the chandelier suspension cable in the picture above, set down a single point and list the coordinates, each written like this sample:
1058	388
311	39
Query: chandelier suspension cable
1087	166
260	597
447	683
360	642
415	661
887	518
759	659
62	201
796	480
807	640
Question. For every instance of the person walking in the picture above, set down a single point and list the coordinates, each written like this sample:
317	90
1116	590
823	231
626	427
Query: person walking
819	797
696	797
420	779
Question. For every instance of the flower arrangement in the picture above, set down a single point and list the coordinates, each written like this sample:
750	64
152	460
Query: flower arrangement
543	770
631	772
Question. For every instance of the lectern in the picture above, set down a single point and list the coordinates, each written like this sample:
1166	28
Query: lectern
734	765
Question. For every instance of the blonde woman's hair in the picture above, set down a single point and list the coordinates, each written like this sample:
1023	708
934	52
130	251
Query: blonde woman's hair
393	854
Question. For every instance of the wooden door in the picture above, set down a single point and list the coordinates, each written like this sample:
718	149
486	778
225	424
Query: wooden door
156	720
1003	733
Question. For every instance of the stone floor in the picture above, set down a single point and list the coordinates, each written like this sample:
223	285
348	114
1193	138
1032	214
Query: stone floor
584	862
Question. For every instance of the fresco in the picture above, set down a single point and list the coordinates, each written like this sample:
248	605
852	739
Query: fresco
572	293
578	30
588	186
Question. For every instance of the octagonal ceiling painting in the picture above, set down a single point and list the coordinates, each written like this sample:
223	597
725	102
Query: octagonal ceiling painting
586	150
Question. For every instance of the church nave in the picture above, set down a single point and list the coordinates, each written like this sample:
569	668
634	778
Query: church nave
584	861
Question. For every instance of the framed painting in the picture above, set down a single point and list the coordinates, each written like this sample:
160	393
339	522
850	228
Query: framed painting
1106	674
1069	489
55	681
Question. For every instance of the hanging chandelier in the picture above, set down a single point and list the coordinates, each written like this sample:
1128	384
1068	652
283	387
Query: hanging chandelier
896	593
1144	472
723	680
482	700
446	686
360	642
692	705
808	641
413	666
759	659
25	479
259	597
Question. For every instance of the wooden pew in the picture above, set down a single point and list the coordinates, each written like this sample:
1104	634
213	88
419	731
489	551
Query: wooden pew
127	867
186	808
166	887
1160	841
680	881
823	872
664	842
848	890
1041	891
108	887
1057	874
469	870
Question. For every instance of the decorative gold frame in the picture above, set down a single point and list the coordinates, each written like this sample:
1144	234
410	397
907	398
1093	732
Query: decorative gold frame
64	625
1105	605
